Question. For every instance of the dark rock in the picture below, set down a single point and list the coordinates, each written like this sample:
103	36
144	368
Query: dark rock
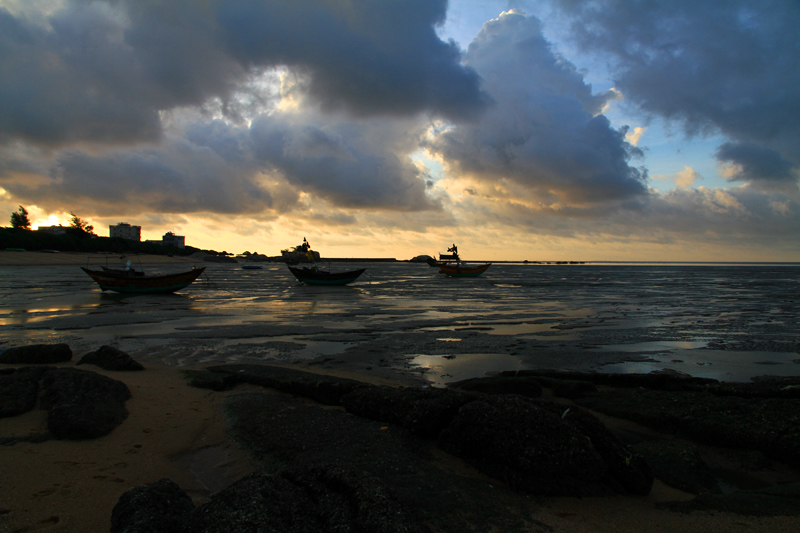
670	381
318	387
516	440
768	425
524	386
82	404
299	501
573	389
36	354
203	379
627	471
283	432
678	465
110	358
781	500
18	391
424	412
160	507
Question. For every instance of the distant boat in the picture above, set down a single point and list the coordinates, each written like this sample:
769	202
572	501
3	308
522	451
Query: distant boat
452	265
316	276
252	267
299	254
136	282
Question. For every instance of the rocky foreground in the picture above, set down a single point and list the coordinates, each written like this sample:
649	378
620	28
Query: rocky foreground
342	455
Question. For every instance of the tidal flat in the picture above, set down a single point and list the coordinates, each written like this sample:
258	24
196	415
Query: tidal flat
407	322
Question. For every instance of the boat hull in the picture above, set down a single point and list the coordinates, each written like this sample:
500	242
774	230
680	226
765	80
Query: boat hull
322	277
461	271
122	282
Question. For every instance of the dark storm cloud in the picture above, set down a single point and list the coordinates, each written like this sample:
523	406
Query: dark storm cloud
543	131
728	67
367	56
102	71
70	82
756	163
347	163
177	178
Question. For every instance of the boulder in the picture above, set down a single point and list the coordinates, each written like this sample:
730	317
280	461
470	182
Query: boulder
318	387
36	354
82	404
160	507
324	498
110	358
18	391
781	500
424	412
525	444
524	386
678	465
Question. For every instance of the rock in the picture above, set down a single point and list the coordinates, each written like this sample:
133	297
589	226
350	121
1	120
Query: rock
768	425
573	389
37	354
517	440
324	389
678	465
524	386
782	500
424	412
627	471
110	358
160	507
18	391
82	404
324	498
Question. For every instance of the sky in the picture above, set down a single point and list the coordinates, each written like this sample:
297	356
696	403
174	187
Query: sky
545	130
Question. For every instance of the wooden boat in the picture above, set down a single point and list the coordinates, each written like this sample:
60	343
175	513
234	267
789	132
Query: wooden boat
452	265
136	282
316	276
463	269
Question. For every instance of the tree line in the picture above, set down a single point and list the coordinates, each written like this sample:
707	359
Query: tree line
79	236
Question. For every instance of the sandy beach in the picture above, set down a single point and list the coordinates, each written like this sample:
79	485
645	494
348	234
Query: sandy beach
178	432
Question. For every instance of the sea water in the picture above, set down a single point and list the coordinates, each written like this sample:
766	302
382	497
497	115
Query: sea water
726	321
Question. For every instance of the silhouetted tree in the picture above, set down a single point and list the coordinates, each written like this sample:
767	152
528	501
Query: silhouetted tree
80	226
20	220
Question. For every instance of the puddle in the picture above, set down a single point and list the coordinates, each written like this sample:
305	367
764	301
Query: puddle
443	369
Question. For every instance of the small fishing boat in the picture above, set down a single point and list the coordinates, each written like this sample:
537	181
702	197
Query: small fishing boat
136	282
252	267
317	276
452	265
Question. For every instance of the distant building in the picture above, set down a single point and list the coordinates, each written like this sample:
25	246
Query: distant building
170	239
53	230
123	230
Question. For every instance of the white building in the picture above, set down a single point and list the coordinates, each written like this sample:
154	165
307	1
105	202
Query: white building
123	230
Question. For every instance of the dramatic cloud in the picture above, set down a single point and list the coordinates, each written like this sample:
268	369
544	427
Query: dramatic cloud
354	118
714	67
544	131
756	163
103	71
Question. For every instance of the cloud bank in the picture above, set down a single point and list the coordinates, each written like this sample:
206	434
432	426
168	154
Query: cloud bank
356	114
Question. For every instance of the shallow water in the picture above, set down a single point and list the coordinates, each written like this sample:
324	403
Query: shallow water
724	321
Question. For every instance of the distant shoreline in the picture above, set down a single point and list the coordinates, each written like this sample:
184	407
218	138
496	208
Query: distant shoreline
44	258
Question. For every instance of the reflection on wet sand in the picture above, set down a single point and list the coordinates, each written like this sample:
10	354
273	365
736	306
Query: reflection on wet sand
406	319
